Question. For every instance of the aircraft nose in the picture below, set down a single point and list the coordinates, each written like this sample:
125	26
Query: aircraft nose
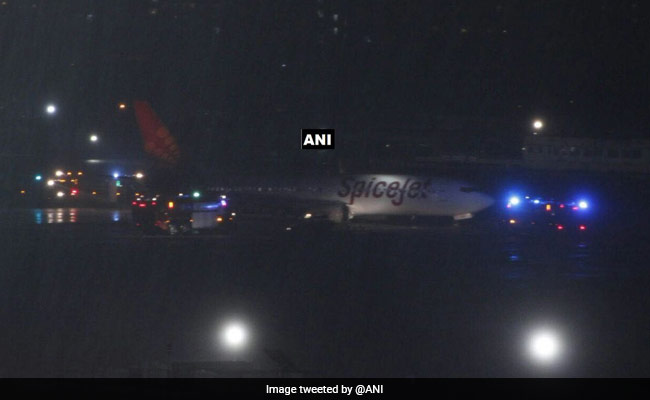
484	201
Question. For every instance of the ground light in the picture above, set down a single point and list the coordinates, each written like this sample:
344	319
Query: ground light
234	336
545	347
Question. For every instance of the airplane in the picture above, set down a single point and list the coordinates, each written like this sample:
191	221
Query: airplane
337	199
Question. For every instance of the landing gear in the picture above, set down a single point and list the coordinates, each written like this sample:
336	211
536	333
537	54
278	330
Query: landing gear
339	214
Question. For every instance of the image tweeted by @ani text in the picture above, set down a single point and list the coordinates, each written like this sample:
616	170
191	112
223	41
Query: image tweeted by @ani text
357	390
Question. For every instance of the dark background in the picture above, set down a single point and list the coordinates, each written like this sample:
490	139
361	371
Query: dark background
236	80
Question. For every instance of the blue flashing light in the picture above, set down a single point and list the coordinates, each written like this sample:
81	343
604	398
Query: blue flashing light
116	175
583	204
536	201
223	203
514	200
38	177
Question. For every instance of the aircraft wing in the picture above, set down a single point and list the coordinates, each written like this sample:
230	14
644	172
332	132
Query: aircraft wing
288	205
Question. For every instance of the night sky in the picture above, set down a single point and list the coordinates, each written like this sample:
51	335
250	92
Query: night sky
227	75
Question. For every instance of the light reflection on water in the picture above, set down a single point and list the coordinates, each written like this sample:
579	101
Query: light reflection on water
38	216
546	257
76	215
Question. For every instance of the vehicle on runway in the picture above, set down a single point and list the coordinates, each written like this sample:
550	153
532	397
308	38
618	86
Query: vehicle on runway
183	214
538	213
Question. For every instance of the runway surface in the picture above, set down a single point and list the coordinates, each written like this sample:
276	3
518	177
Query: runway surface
83	293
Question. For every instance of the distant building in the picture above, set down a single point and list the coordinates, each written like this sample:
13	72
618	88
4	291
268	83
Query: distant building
588	154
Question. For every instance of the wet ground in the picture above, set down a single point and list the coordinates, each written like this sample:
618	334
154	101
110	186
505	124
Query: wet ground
84	294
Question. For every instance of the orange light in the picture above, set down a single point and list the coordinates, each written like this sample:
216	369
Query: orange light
80	173
118	193
548	207
170	204
512	221
121	106
94	193
22	192
219	219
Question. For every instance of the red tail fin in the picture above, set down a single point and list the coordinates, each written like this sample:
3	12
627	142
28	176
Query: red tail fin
157	140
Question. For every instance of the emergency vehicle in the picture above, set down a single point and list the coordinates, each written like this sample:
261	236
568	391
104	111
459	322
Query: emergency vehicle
183	213
531	212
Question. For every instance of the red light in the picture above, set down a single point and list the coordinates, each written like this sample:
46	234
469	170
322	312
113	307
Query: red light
153	203
561	205
143	205
135	203
575	207
560	227
582	227
508	206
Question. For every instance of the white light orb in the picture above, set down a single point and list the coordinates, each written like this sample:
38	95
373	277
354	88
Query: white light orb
234	336
545	346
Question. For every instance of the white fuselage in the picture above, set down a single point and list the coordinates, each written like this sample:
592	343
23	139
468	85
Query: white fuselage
400	195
